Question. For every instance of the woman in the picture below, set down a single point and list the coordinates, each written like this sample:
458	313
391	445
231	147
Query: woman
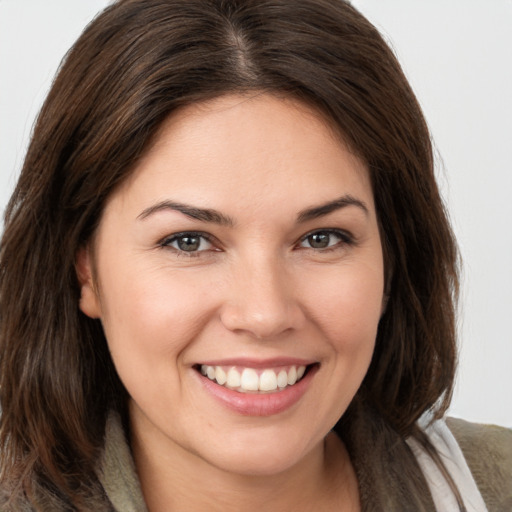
234	276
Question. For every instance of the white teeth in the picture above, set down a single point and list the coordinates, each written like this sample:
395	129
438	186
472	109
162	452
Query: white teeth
268	381
233	378
250	380
282	379
292	376
220	375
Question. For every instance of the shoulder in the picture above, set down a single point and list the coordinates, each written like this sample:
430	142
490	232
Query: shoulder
488	453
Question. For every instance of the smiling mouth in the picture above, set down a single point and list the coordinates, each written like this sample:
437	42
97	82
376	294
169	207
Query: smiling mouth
252	380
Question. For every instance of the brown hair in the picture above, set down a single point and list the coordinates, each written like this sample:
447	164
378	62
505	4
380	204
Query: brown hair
135	64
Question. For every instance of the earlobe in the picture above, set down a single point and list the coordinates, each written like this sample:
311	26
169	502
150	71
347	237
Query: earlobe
89	302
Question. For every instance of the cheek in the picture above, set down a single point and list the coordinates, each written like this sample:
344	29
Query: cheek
347	306
153	312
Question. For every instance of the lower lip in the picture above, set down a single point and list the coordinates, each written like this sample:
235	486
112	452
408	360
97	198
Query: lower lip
259	404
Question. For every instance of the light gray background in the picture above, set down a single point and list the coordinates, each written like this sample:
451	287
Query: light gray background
458	57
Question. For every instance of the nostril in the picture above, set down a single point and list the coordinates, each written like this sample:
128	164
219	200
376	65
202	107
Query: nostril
260	323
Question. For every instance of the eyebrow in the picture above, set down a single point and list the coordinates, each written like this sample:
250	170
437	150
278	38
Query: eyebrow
326	208
202	214
215	217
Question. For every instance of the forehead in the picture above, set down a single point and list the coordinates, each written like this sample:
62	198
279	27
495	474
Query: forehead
248	150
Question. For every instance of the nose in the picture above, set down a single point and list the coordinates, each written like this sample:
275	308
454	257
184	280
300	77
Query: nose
262	301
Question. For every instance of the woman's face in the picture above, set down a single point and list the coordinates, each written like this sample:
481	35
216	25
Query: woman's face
245	246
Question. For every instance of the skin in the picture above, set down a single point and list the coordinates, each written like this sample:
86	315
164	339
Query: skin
257	289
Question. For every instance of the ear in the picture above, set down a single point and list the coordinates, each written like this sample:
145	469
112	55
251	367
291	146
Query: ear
89	301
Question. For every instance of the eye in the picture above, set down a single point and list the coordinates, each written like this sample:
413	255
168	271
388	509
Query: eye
188	242
325	239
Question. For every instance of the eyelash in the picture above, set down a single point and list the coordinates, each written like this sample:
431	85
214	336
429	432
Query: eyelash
166	242
345	239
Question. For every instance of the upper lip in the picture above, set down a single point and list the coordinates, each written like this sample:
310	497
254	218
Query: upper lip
247	362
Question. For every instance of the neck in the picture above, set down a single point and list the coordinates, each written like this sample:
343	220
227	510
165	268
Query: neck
176	479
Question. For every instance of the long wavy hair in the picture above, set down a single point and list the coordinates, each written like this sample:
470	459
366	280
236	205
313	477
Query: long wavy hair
135	64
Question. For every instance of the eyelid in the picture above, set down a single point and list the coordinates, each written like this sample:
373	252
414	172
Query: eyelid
173	236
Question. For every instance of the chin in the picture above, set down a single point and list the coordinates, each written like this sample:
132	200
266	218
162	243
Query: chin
259	466
262	457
